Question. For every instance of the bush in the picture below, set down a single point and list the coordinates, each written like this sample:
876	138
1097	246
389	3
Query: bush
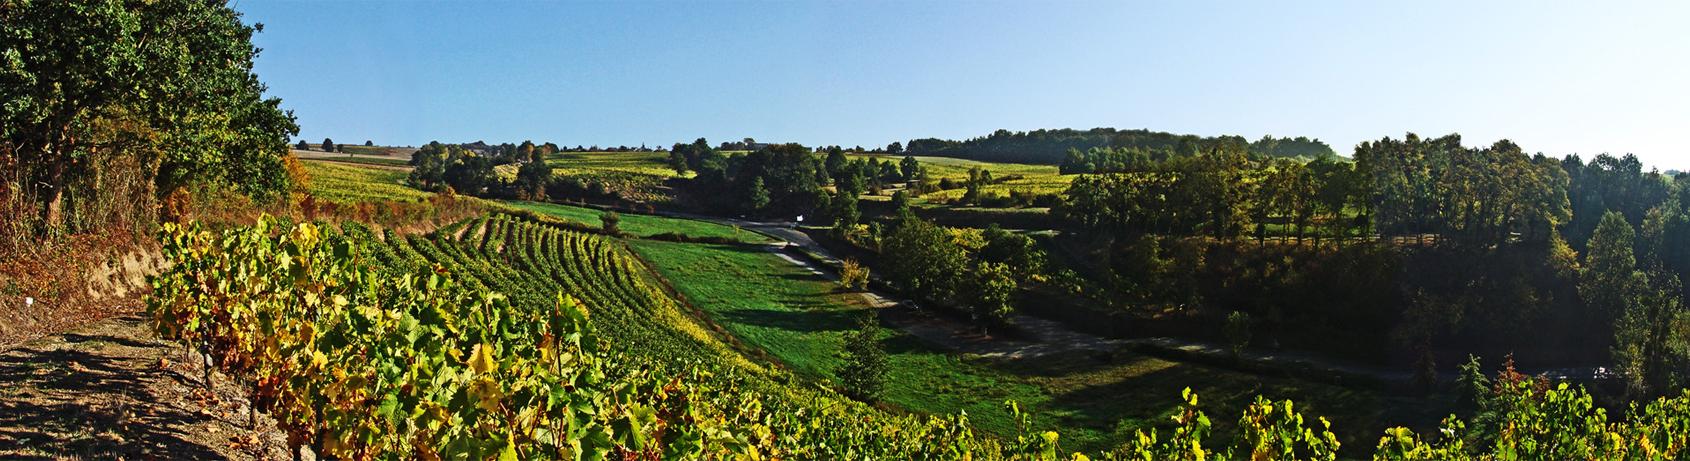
852	275
1238	331
611	222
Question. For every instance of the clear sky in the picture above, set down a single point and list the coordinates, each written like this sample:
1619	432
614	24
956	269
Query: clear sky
1556	78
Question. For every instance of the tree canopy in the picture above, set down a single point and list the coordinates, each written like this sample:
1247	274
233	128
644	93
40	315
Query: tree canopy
163	89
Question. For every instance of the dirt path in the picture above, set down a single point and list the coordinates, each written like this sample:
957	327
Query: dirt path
113	390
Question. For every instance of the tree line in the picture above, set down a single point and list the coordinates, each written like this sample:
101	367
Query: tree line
504	170
1503	232
1052	147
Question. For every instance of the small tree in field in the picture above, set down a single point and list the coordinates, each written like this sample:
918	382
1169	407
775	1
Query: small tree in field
369	143
328	145
853	276
864	373
992	291
302	145
611	222
1237	331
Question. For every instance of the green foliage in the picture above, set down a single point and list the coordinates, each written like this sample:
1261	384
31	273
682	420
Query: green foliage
299	308
1108	160
328	145
1017	251
1652	337
1206	194
1275	430
864	373
334	338
758	197
1049	146
1609	183
1137	269
162	93
909	166
775	180
1237	331
991	290
925	260
1183	442
845	214
611	222
532	178
1475	195
361	363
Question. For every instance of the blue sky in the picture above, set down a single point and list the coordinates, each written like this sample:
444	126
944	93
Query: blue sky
1554	77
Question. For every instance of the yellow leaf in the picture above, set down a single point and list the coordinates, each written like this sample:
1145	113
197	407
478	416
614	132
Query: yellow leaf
487	394
481	359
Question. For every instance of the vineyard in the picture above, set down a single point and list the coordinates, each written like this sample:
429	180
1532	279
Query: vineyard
500	337
326	325
643	225
632	176
350	183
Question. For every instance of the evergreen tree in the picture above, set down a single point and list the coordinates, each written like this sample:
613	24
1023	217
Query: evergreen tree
864	373
1610	282
611	222
910	168
758	196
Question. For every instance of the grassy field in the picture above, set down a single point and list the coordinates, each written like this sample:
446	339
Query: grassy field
762	299
772	304
644	225
347	183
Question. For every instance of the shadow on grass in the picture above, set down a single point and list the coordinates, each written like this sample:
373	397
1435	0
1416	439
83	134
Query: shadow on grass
1133	393
808	321
72	403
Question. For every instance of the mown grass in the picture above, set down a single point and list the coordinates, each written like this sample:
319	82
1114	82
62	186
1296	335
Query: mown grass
346	183
644	225
760	298
1094	400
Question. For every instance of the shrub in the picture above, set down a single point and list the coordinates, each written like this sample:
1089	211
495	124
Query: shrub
853	275
1238	331
611	222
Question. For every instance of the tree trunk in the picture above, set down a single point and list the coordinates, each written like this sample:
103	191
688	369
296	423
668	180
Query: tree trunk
52	216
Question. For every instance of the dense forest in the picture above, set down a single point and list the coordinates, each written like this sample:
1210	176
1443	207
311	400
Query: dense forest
1052	146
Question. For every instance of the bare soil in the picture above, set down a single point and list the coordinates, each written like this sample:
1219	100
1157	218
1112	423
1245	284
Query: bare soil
112	389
